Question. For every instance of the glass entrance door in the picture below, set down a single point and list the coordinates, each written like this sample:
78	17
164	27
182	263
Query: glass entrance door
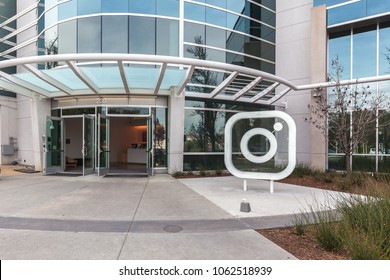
103	137
88	150
150	147
54	146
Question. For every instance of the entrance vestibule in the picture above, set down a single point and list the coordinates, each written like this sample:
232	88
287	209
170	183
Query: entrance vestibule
86	144
128	145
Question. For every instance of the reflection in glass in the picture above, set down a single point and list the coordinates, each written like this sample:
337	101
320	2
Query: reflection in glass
194	12
168	8
160	136
128	111
142	42
67	10
216	17
89	7
384	48
340	48
364	52
142	7
89	35
115	6
167	37
114	37
67	37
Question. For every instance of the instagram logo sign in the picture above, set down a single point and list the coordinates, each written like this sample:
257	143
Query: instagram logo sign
283	120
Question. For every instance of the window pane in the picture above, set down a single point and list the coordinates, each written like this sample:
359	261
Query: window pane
160	136
347	12
142	7
167	37
194	12
340	47
115	33
364	53
67	37
217	17
377	7
128	111
140	41
192	31
215	37
168	8
268	3
218	3
384	49
115	6
89	7
236	5
89	35
67	10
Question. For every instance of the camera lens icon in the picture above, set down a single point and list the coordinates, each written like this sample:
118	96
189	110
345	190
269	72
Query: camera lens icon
283	119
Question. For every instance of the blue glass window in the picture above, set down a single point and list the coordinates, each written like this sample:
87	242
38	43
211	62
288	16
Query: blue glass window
89	7
217	17
215	37
236	5
67	10
192	31
194	12
217	3
142	42
168	8
167	39
67	37
364	52
377	7
115	6
348	12
115	34
89	35
142	7
340	48
384	49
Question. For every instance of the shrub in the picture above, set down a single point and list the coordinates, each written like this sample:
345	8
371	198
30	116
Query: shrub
303	169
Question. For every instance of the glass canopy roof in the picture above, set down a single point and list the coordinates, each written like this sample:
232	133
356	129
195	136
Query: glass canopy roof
91	74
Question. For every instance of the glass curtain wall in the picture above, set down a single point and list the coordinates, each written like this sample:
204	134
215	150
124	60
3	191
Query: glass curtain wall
363	52
239	32
204	133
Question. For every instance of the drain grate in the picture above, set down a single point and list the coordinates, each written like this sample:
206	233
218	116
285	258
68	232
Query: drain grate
173	228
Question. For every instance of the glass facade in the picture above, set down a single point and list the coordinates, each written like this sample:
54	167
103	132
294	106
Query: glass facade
362	52
204	133
238	32
340	11
7	10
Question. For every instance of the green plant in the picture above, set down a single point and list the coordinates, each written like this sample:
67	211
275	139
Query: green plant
218	170
302	169
178	174
190	173
300	223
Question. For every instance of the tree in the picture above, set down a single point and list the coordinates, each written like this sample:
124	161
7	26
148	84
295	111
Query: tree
51	47
347	115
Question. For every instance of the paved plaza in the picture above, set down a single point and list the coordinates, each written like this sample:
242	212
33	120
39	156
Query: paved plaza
63	217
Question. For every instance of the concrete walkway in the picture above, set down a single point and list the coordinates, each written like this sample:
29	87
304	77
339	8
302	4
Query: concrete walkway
53	217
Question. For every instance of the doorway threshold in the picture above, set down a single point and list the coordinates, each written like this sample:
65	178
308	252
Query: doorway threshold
68	174
133	174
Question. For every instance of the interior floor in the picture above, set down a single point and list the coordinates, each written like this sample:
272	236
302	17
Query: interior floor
118	167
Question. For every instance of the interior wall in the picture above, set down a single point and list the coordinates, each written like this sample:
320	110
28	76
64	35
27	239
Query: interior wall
123	133
74	135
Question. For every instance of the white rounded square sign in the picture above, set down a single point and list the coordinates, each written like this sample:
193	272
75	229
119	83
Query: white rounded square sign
278	126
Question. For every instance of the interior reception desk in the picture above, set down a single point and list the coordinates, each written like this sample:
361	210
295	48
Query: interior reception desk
137	155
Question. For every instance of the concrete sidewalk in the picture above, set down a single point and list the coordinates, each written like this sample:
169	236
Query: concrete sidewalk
53	217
